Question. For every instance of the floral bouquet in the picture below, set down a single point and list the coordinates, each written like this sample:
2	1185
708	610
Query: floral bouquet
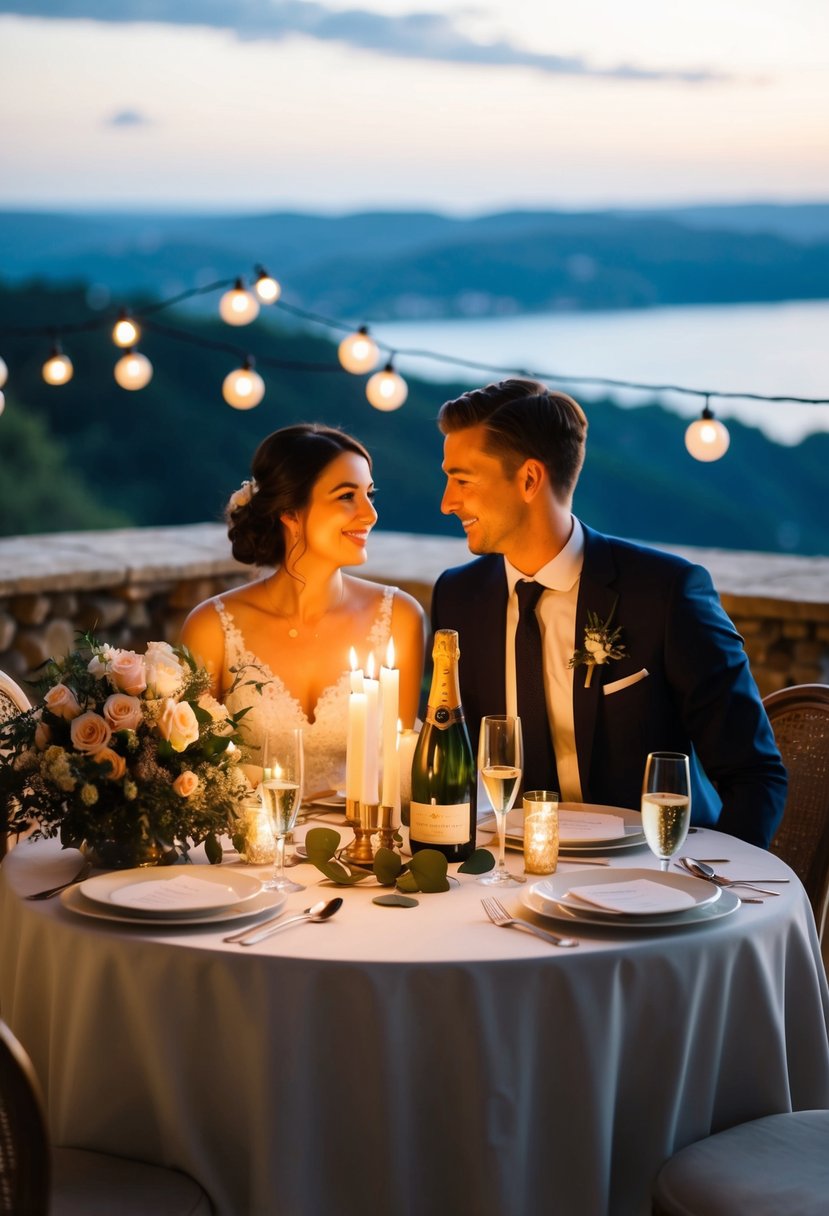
128	754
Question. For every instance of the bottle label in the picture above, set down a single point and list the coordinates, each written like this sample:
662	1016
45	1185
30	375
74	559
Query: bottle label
433	824
443	718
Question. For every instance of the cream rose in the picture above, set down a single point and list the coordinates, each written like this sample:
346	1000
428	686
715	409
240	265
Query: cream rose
123	712
43	736
89	732
186	783
127	672
165	674
217	711
177	723
62	702
117	764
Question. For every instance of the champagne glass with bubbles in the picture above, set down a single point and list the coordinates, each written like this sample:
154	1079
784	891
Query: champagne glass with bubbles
281	794
666	804
501	761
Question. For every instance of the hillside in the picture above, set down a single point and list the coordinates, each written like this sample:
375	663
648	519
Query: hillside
91	455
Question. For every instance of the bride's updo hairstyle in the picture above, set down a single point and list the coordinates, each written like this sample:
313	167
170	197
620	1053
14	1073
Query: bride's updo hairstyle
285	469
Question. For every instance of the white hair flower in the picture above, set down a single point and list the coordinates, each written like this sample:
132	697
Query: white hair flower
242	496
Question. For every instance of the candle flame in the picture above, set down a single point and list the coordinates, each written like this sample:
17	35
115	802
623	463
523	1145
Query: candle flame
390	653
352	654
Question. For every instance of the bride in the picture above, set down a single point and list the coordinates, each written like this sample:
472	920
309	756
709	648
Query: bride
305	514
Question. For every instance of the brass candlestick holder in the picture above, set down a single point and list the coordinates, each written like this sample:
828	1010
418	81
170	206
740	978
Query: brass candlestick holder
363	818
386	829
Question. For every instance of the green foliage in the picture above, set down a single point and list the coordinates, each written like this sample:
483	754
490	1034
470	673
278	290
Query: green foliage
426	871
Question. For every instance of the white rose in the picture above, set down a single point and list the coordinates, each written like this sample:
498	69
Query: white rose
178	725
165	674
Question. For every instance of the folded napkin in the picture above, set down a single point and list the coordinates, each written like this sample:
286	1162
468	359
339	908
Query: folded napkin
639	897
576	827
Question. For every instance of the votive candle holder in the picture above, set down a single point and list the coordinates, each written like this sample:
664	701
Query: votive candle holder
540	831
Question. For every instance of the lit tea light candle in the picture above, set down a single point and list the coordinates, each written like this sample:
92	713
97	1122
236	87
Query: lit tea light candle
390	702
541	832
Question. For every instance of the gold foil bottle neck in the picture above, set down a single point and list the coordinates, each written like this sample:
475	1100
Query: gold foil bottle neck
446	648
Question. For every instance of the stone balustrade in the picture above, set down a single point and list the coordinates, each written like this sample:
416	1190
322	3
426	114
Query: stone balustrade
132	586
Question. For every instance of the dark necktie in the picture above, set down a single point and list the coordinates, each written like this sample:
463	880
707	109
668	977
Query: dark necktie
539	757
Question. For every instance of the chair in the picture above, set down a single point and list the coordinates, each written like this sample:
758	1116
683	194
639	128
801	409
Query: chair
38	1181
13	701
775	1166
799	717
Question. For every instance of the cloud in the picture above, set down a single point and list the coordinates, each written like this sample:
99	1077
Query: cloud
127	118
424	36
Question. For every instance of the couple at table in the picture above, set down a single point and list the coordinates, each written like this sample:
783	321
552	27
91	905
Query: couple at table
607	649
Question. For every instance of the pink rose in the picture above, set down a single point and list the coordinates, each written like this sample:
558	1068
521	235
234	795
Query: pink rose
89	732
123	712
62	702
127	672
165	674
117	764
178	724
186	783
43	736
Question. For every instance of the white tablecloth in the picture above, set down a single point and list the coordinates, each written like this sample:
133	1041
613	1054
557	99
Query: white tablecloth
414	1062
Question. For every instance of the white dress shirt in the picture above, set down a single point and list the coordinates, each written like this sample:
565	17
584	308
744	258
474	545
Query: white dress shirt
556	613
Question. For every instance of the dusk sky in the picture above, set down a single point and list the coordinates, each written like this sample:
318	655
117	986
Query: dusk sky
335	105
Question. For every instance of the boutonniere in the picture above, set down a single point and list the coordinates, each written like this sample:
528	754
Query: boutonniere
601	643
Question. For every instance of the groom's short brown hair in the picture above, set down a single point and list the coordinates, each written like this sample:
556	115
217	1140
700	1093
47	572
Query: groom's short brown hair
524	419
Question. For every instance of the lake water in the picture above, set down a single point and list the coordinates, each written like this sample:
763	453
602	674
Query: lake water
774	349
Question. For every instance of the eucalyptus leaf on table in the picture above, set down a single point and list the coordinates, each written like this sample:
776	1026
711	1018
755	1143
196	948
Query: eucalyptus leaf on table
426	871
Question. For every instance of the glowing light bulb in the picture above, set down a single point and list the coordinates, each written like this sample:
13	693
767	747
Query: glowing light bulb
358	352
133	371
266	287
126	332
238	306
4	373
386	390
243	388
707	439
58	367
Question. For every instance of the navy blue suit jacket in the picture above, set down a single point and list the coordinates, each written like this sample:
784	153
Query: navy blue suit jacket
698	697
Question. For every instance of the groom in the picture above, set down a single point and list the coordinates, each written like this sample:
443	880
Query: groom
606	649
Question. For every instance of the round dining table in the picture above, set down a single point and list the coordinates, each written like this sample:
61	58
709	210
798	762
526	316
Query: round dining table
414	1061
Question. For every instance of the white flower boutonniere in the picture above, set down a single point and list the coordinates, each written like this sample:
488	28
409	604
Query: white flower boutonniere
601	643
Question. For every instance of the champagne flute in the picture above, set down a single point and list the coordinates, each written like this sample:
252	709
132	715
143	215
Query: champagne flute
666	804
501	762
281	794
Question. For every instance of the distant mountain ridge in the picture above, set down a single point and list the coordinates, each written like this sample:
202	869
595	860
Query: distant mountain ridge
378	265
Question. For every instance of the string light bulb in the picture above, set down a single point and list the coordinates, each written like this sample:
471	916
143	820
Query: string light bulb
58	367
238	306
386	390
4	372
358	352
133	371
243	388
125	333
707	439
266	286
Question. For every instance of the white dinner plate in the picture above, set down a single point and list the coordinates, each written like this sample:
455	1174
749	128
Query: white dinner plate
558	888
336	802
537	898
172	892
265	901
632	839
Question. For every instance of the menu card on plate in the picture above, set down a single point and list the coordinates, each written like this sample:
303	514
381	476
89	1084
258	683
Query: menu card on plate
633	898
580	826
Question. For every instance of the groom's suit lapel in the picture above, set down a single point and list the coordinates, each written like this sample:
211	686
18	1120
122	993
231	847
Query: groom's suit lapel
597	595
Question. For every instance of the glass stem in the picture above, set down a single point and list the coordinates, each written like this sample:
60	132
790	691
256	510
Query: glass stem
279	866
501	822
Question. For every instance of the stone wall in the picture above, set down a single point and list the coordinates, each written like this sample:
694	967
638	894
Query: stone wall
135	585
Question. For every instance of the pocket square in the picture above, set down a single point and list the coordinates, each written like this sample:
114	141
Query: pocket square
618	685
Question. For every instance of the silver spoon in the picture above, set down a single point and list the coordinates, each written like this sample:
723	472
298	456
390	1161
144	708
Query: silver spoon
315	914
703	870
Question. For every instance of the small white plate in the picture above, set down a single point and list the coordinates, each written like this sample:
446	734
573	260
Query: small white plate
545	898
265	901
173	892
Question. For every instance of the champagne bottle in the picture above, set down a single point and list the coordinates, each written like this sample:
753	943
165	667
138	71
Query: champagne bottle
444	780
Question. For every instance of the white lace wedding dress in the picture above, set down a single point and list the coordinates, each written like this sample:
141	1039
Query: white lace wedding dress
276	710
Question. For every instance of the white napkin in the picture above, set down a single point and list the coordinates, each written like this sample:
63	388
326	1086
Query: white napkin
639	897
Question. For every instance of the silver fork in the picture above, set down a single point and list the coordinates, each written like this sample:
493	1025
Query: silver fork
498	914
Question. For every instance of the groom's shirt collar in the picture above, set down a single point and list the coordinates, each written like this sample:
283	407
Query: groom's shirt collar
560	574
